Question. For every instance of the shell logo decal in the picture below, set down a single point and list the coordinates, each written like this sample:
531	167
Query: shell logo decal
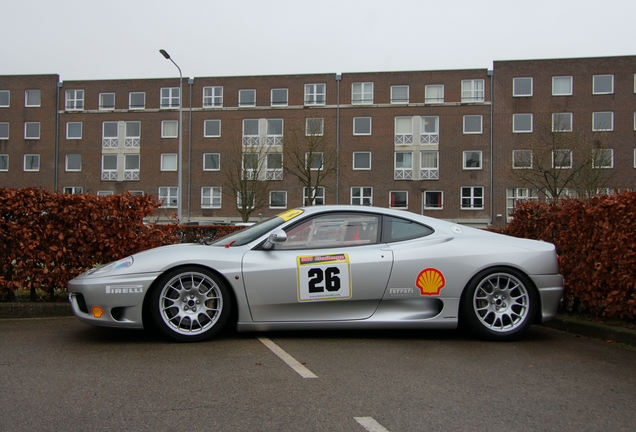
430	281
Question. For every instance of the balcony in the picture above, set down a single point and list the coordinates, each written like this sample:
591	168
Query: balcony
110	142
403	174
132	142
109	175
251	140
131	174
429	174
274	140
403	139
274	174
429	139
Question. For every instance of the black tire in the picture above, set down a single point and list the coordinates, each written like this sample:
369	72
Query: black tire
190	304
499	304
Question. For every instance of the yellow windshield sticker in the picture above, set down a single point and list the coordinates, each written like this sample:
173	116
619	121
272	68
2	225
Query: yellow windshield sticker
289	214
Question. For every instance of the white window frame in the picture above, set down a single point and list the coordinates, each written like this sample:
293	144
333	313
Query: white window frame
26	98
244	91
555	122
6	137
8	93
101	104
360	92
394	99
81	127
358	195
35	157
167	194
308	127
473	198
425	207
464	160
218	156
165	123
72	190
132	174
205	128
167	98
278	104
406	173
516	195
165	158
212	193
431	99
514	87
74	100
402	138
319	198
481	124
594	84
277	192
554	80
596	129
111	173
471	91
315	94
26	125
360	119
353	161
4	157
130	96
429	172
594	159
313	155
66	163
517	117
104	193
406	206
212	100
519	151
562	151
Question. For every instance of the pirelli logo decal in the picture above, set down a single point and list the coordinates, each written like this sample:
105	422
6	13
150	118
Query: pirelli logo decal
124	289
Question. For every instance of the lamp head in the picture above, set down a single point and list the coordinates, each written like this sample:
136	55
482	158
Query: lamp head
164	53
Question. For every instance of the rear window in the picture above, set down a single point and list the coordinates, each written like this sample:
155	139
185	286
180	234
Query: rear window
396	229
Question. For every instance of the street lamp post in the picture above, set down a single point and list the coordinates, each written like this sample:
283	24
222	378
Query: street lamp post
180	162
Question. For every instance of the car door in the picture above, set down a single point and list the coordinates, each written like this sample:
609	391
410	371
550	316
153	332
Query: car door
332	267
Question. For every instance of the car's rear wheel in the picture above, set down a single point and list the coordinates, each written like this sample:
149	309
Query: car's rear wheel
499	304
190	304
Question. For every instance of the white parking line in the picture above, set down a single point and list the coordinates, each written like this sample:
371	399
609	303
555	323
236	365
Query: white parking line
370	424
288	359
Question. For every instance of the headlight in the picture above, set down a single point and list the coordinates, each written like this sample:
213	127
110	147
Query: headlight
121	264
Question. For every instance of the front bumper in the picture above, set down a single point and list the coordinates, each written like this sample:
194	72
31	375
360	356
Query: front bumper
111	301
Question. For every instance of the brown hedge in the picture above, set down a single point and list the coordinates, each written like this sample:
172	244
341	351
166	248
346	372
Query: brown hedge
46	239
596	243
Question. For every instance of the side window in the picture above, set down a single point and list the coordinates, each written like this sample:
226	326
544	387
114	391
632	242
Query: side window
333	230
395	229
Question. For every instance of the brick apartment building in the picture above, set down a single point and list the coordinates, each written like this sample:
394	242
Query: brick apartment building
449	144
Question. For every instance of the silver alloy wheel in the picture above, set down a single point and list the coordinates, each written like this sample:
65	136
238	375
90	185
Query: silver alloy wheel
501	302
190	303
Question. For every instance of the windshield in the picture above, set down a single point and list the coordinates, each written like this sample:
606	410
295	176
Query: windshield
246	235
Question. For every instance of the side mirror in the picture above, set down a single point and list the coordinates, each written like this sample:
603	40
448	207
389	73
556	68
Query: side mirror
277	236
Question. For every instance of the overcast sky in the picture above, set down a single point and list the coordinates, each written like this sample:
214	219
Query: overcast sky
89	39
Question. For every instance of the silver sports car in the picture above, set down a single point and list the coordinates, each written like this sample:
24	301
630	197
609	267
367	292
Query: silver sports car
330	267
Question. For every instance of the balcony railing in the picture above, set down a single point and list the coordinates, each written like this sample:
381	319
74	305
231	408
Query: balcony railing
429	139
110	142
274	140
429	174
109	175
131	174
403	174
274	174
403	139
132	142
251	140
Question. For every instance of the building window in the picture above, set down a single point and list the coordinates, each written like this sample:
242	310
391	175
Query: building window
522	87
211	197
279	97
169	129
168	162
562	86
362	125
106	101
399	199
430	130
109	131
429	165
4	162
74	99
168	196
522	123
31	162
251	134
136	100
473	90
361	160
562	159
274	168
433	200
133	130
212	97
472	160
73	190
170	97
274	131
32	130
518	195
32	98
472	124
603	158
74	130
472	198
109	167
399	94
403	131
522	159
315	94
603	84
362	195
434	93
211	161
105	193
314	126
314	161
278	199
5	98
131	166
212	128
319	196
562	122
603	121
4	130
73	162
247	98
362	93
250	199
403	166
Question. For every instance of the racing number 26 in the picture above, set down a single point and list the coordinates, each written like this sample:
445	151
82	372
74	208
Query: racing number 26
329	276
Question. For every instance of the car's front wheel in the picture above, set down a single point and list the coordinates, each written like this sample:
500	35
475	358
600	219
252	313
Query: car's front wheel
190	304
499	304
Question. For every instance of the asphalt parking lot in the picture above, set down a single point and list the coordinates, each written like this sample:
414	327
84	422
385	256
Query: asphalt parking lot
58	374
